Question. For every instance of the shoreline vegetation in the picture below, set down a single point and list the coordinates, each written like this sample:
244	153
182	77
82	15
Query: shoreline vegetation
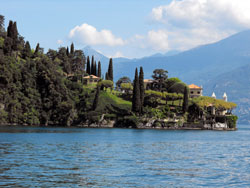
64	88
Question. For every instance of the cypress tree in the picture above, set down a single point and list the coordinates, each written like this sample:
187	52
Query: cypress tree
106	76
37	49
110	70
1	24
92	68
14	36
99	72
27	50
9	29
67	51
185	100
88	66
136	94
142	91
95	72
72	49
96	99
92	65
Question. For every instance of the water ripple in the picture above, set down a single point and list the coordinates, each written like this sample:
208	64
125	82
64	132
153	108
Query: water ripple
45	157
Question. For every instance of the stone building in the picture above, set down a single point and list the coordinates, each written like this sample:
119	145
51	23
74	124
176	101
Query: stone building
91	79
195	91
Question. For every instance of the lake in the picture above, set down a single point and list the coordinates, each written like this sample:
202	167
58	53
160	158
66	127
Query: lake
74	157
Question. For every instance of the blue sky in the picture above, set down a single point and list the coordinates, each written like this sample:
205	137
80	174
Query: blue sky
131	28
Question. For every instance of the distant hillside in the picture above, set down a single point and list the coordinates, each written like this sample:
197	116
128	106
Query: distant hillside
237	85
221	67
200	64
88	51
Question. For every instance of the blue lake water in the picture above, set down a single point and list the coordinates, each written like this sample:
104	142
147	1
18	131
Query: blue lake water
73	157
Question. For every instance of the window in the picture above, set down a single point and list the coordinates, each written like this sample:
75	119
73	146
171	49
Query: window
199	92
192	92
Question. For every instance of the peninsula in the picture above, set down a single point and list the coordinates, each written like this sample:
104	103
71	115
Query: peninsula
64	88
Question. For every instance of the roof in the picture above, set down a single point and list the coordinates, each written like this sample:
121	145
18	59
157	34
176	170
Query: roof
91	76
147	80
192	86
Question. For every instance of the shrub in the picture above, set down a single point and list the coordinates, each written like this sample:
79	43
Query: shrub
128	121
231	121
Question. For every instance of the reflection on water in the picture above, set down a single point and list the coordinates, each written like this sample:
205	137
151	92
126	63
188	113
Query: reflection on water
71	157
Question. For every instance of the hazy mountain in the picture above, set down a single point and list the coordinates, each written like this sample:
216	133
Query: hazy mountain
197	65
220	67
88	51
236	84
169	53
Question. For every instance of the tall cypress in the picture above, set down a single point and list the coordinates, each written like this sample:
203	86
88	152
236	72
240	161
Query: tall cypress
106	76
14	36
92	68
9	29
185	100
37	49
96	99
88	70
92	65
94	71
67	51
99	72
142	90
27	50
110	70
136	94
72	49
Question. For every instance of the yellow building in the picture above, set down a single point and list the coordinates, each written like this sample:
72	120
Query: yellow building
195	91
90	79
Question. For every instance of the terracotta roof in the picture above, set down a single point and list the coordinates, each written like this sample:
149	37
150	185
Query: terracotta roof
90	76
192	86
148	80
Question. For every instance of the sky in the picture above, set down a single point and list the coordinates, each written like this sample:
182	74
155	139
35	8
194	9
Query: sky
131	28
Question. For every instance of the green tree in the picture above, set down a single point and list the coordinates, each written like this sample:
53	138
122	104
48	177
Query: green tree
159	75
88	70
99	74
7	46
95	69
38	50
141	85
2	25
106	76
92	66
72	49
127	87
136	105
67	51
9	29
14	36
123	79
104	84
170	82
96	99
110	70
27	50
185	100
178	87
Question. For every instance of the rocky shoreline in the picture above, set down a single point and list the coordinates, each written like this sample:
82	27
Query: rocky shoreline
149	124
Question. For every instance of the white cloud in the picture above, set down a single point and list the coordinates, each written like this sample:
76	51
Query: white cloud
88	35
117	54
189	23
158	40
59	42
196	13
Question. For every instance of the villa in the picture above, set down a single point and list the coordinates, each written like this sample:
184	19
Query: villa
195	91
91	79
